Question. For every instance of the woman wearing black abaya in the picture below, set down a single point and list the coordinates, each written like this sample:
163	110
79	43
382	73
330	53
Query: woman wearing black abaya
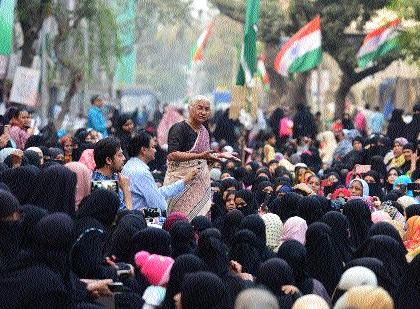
56	190
184	264
294	253
52	243
152	240
378	267
389	251
124	128
358	214
31	215
396	126
340	232
182	238
408	292
121	239
288	206
21	285
229	225
274	274
310	209
245	202
324	262
94	219
21	181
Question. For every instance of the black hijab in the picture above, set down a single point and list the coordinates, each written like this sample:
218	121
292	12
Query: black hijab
22	181
31	215
255	224
340	228
324	262
182	238
358	214
33	158
288	206
275	273
385	228
121	239
412	210
152	240
10	230
248	197
204	290
183	265
294	253
201	223
310	209
378	267
408	293
213	251
230	224
260	195
389	251
56	190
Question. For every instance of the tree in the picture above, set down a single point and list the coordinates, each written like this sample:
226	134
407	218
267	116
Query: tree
336	17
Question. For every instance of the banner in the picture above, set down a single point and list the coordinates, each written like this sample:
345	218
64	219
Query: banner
126	20
25	86
6	26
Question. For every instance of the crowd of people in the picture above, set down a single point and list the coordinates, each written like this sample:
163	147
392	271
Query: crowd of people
205	213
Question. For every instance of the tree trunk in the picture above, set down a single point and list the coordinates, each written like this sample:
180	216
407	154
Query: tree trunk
28	53
340	97
65	106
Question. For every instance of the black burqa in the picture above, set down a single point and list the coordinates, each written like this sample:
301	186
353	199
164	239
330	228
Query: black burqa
182	238
340	232
324	262
94	219
183	265
396	126
358	214
310	209
22	181
408	292
385	228
56	190
389	251
303	123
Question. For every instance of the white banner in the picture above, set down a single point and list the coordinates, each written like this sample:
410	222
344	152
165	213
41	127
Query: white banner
25	86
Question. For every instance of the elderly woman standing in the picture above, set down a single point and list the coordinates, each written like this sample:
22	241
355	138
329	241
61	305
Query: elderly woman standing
189	149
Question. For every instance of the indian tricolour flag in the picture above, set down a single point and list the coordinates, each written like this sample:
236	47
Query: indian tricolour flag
302	51
197	52
262	72
378	43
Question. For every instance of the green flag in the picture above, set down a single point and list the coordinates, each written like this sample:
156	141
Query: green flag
248	64
126	19
6	26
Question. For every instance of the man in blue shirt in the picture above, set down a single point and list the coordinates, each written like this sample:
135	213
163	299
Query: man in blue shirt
109	160
96	117
144	191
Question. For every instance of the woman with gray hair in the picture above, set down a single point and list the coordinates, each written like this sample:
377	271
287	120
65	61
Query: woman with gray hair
189	149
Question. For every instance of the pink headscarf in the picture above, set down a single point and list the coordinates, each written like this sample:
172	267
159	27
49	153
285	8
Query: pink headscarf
380	216
87	159
294	228
172	218
84	177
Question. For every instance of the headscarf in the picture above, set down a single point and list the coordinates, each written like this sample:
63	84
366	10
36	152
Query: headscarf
412	237
260	195
204	290
310	209
294	253
230	224
385	228
388	250
358	214
84	180
408	293
288	206
365	297
273	230
412	210
21	181
31	215
182	238
56	190
403	180
275	273
256	298
364	185
323	257
121	239
33	158
172	218
201	223
248	197
378	267
340	227
294	228
153	240
255	224
5	152
380	216
87	159
307	301
184	264
101	205
10	232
